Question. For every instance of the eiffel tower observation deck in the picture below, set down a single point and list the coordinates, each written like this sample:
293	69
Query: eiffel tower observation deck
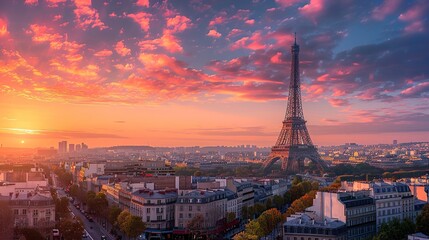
294	144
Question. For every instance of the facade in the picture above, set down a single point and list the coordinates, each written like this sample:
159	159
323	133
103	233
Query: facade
33	210
244	190
389	202
210	205
306	226
156	208
356	209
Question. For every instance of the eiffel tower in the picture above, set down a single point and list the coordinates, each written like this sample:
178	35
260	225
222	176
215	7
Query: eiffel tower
294	143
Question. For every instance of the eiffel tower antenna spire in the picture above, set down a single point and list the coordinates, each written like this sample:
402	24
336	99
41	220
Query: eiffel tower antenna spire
295	38
294	144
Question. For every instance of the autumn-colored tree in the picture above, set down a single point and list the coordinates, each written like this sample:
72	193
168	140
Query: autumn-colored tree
269	220
122	219
133	226
253	228
196	225
422	222
301	204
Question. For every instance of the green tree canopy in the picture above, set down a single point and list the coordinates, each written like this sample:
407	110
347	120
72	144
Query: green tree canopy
422	223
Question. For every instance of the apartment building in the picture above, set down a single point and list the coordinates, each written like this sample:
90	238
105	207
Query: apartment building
156	208
210	205
356	209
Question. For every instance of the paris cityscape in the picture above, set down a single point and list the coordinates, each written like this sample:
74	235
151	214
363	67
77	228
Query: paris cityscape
194	119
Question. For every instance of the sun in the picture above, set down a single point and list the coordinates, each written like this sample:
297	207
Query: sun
22	141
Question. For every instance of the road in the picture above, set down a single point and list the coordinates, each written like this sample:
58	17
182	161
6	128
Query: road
93	229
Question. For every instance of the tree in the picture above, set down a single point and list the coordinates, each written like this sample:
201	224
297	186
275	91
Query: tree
230	216
269	220
395	230
422	223
61	207
31	234
74	190
122	219
253	228
278	201
113	214
196	225
71	229
296	180
268	203
133	226
6	220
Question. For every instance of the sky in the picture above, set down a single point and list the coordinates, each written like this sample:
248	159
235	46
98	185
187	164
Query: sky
194	72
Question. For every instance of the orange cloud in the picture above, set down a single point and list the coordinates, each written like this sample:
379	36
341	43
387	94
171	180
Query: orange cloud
142	3
168	41
143	19
214	33
54	3
31	2
121	49
3	27
178	23
103	53
86	16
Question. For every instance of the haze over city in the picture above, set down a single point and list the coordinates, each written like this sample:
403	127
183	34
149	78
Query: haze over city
184	73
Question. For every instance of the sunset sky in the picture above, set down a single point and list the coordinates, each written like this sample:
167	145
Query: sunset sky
182	73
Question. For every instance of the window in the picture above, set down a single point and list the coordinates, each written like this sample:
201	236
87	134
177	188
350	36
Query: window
159	218
147	210
190	208
24	211
35	212
148	219
198	208
180	215
181	208
190	215
16	211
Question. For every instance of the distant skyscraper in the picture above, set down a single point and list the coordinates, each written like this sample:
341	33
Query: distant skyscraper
78	147
84	147
71	147
395	142
62	147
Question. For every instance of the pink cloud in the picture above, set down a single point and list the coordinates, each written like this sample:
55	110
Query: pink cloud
178	23
103	53
143	19
276	58
234	32
385	9
312	9
253	43
45	34
121	49
287	3
218	20
416	90
416	26
142	3
250	21
54	3
336	102
124	67
414	13
3	27
214	33
31	2
168	41
86	16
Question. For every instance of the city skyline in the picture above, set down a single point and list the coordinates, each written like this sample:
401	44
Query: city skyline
186	73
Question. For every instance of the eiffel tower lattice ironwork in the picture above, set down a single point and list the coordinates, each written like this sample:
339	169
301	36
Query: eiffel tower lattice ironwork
294	144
